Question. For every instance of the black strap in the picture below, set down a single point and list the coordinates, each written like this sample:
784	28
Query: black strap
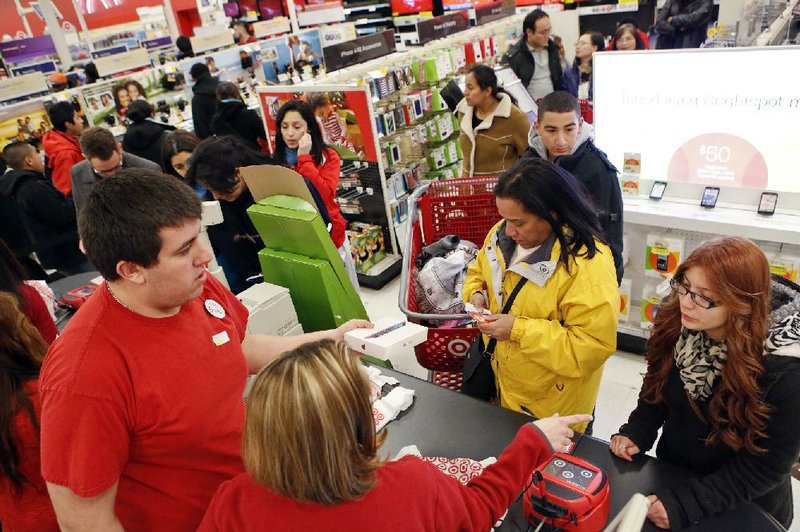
506	308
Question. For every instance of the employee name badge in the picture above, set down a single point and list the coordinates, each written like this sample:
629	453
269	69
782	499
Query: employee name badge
221	338
632	164
214	308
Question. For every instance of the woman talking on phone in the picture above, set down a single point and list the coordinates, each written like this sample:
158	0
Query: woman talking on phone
722	379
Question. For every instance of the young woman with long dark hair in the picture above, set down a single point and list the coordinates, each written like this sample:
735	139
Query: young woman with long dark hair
552	345
723	370
12	281
24	503
494	132
300	146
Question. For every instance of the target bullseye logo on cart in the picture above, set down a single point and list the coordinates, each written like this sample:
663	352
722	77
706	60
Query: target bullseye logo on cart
458	347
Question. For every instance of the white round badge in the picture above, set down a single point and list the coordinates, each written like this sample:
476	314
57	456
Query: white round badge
214	308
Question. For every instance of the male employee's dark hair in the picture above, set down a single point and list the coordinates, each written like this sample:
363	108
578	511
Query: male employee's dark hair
139	111
531	18
556	197
16	153
486	78
228	91
122	217
559	102
199	70
98	143
307	113
214	162
60	113
22	350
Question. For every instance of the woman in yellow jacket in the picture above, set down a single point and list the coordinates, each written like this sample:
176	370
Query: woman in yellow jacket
562	326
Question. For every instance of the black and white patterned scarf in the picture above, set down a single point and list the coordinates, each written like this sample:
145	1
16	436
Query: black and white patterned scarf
700	360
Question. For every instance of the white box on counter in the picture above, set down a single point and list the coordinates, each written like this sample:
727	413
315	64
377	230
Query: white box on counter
389	336
271	310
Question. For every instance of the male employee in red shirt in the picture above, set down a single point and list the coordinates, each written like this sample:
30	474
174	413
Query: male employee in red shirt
142	409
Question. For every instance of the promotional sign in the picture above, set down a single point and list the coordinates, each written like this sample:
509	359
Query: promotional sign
43	67
732	133
275	26
114	64
442	26
494	11
158	42
346	31
294	57
105	52
22	50
24	122
211	41
20	86
359	50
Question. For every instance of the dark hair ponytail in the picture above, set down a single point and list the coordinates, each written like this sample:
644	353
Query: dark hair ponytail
486	78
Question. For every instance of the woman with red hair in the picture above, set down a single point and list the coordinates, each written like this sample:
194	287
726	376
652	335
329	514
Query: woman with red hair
723	370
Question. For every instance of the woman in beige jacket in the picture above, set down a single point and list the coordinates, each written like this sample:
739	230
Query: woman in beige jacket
494	132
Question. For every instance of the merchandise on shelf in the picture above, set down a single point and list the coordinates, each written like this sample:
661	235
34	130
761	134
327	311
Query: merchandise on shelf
662	255
625	300
650	302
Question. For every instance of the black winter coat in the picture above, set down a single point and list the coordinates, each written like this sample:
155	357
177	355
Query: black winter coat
727	478
204	104
519	58
594	171
44	215
690	20
234	118
144	139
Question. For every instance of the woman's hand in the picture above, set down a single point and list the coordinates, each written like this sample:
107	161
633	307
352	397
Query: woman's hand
338	333
557	430
478	300
304	146
657	513
497	326
623	447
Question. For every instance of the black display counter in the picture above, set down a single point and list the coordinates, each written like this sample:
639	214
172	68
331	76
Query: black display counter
444	423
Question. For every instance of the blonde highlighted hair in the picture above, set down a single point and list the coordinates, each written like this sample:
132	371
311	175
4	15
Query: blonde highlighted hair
309	432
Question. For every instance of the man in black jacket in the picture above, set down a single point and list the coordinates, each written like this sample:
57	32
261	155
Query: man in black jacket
559	136
535	60
204	101
683	23
45	216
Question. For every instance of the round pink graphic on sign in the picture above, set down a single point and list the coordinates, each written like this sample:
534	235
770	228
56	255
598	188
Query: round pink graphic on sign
719	159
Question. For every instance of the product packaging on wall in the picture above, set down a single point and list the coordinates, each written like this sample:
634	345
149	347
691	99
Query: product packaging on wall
23	122
662	255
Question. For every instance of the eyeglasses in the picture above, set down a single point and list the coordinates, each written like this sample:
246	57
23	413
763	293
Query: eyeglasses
108	173
700	301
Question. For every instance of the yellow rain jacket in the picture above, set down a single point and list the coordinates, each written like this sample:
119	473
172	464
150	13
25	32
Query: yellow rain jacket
565	325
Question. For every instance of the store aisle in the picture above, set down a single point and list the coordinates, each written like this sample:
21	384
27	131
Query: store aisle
619	388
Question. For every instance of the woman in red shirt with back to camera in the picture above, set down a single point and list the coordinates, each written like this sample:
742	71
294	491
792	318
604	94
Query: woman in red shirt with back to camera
311	454
24	502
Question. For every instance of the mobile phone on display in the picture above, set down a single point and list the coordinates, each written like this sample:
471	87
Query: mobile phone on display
768	202
710	195
657	192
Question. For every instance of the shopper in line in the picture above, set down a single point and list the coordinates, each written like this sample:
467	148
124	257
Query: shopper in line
562	326
45	217
61	144
683	23
144	136
175	153
299	145
13	279
24	502
338	482
184	45
627	38
642	35
104	158
723	369
142	410
204	101
493	129
535	59
559	136
241	33
588	43
232	117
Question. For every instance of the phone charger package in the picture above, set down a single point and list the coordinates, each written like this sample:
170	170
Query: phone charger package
387	338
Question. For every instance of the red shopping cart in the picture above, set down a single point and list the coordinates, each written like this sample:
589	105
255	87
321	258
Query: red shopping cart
463	207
